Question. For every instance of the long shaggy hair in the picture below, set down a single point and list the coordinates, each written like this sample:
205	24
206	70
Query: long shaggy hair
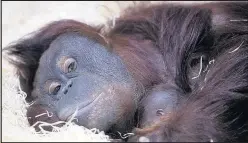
158	44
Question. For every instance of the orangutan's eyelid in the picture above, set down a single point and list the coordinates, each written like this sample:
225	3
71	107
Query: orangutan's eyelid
69	65
160	112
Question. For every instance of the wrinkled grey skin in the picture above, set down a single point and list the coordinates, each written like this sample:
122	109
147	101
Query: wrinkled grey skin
100	91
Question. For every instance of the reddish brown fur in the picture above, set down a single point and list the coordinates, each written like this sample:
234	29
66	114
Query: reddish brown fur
156	43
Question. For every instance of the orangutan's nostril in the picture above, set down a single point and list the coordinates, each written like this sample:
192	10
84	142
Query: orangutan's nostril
65	91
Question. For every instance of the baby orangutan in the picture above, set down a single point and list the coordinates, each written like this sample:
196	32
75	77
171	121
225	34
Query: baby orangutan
155	109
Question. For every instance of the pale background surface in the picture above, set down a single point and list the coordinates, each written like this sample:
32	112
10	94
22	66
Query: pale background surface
21	18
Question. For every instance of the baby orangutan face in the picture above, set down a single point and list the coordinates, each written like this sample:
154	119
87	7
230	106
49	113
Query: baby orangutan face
154	112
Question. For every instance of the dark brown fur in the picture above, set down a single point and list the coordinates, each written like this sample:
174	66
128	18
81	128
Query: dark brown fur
157	44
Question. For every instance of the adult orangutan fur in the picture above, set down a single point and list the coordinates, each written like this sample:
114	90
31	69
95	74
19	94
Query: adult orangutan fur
197	53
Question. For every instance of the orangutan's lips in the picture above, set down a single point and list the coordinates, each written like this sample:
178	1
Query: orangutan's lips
83	106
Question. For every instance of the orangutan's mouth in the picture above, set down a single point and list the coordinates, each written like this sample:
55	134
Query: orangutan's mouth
82	107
